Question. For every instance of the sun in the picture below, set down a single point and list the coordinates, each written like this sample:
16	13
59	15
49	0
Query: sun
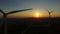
37	14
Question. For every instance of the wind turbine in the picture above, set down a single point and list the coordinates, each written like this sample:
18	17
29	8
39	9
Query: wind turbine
5	18
49	12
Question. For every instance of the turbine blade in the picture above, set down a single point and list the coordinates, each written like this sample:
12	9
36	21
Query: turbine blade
52	11
48	11
2	12
18	11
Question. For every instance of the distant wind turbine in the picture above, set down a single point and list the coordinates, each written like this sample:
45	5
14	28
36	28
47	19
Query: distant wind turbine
5	17
49	12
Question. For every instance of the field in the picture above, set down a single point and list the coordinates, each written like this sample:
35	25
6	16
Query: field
32	26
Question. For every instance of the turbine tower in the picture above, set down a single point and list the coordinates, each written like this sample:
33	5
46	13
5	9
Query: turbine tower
5	18
49	12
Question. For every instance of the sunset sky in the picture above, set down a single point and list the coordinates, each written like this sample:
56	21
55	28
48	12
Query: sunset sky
39	6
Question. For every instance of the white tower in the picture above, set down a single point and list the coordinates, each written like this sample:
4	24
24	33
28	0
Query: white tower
5	18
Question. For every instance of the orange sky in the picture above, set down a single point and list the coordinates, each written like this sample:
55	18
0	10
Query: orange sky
32	13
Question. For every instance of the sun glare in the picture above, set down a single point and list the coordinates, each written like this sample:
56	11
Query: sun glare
37	14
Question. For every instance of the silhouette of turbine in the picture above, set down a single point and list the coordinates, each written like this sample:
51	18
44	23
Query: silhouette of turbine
49	12
5	18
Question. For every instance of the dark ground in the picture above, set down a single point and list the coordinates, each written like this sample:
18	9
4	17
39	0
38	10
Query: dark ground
32	26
